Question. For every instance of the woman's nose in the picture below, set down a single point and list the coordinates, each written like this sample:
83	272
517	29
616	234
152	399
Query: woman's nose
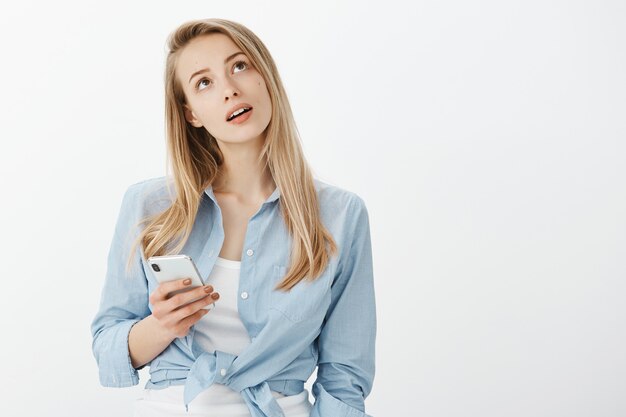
230	90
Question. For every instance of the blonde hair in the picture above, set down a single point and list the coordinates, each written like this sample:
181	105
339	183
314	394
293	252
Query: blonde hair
196	160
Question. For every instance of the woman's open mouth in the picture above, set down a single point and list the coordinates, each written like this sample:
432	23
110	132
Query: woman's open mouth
241	117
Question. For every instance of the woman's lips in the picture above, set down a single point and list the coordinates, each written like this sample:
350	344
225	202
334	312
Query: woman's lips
242	117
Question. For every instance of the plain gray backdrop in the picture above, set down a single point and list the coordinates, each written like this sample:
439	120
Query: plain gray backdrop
487	139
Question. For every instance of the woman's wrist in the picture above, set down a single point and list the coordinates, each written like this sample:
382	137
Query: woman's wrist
146	340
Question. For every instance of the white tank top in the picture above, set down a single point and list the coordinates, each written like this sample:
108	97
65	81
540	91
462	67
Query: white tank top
220	329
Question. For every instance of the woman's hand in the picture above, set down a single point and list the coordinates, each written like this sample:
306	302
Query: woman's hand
170	319
172	314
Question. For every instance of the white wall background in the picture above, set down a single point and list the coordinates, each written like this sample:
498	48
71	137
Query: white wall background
487	139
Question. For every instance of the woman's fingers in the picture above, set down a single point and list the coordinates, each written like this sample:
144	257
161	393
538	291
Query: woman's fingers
190	309
178	312
182	328
165	288
175	302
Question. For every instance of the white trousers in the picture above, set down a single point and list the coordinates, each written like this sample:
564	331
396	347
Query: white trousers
218	401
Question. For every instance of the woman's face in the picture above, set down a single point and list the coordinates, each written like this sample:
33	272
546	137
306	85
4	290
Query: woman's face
215	81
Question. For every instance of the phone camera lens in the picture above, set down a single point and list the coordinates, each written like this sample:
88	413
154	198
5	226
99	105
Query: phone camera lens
156	267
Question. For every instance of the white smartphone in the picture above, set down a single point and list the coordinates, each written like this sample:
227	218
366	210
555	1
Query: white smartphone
175	267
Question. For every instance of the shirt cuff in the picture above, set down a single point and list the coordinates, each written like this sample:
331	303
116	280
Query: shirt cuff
327	405
116	369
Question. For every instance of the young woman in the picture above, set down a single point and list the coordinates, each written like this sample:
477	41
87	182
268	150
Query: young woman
286	257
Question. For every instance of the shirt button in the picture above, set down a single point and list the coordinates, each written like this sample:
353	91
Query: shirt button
249	252
222	372
244	295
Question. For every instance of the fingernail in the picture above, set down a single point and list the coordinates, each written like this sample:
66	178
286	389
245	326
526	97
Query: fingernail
187	281
208	289
215	295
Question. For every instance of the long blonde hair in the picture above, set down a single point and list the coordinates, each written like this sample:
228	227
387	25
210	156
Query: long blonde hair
196	159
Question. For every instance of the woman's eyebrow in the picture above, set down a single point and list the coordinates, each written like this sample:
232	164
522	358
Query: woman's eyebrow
208	70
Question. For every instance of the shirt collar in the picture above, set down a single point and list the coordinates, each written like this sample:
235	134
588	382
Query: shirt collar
273	197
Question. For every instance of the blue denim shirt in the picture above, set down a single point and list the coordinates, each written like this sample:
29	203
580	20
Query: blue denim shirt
329	323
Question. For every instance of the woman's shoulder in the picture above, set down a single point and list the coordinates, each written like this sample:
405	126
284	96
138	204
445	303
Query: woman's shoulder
334	197
151	194
154	183
338	205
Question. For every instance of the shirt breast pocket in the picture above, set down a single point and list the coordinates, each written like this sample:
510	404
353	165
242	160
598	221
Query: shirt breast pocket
303	301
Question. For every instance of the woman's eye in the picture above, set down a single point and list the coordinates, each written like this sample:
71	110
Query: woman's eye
206	79
240	62
200	82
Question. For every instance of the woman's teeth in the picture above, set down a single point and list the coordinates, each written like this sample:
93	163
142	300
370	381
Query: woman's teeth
238	112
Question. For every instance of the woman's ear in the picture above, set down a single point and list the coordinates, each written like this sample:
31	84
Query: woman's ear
191	117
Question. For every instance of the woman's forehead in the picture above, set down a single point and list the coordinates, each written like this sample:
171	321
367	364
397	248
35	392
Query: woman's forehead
205	52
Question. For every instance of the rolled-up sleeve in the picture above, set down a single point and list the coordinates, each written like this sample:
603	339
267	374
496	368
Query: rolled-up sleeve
124	299
346	343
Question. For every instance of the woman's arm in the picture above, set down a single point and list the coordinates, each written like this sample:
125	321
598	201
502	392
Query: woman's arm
127	335
146	340
346	343
171	318
124	299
